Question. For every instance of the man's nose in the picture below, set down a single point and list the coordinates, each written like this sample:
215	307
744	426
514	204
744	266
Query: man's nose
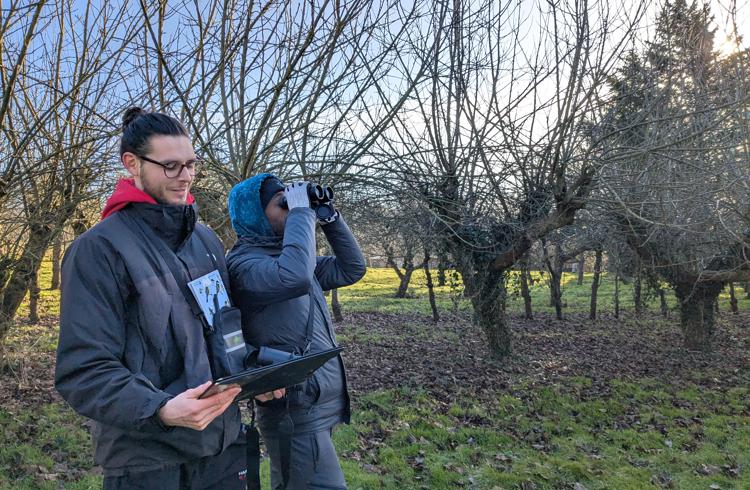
184	175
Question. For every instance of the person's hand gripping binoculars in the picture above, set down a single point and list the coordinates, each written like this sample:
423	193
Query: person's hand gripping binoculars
296	195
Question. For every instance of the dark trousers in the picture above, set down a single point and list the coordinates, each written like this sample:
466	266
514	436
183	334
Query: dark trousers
225	471
314	463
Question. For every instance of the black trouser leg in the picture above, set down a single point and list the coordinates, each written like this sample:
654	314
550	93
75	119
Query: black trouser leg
313	464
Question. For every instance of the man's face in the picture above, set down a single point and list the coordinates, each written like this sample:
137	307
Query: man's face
150	177
277	214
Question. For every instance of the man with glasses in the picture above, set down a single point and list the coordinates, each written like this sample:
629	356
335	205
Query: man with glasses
132	353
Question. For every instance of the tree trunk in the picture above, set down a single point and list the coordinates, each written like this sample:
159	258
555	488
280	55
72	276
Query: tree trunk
637	296
595	284
404	281
581	263
24	270
555	284
488	299
442	266
697	313
554	266
404	278
525	292
56	258
663	302
336	306
79	223
430	288
733	299
746	287
34	299
617	295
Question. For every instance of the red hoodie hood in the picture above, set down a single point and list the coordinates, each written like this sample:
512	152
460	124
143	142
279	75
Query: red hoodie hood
125	193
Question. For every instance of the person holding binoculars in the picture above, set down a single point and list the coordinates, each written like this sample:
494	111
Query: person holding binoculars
278	281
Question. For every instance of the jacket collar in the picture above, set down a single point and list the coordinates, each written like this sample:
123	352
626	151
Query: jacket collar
273	243
173	224
126	193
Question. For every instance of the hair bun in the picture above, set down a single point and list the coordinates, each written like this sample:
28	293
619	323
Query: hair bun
130	115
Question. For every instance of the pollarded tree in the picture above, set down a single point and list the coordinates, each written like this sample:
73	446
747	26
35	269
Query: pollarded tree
494	143
678	170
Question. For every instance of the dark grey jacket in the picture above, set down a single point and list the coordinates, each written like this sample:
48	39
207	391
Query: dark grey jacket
127	334
271	283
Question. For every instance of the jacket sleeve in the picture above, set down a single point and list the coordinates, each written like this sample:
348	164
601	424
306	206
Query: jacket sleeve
89	372
263	280
347	266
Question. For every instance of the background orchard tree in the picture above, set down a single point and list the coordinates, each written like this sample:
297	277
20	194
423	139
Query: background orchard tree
678	171
494	141
292	88
58	117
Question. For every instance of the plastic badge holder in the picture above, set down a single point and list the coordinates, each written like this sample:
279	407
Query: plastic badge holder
274	376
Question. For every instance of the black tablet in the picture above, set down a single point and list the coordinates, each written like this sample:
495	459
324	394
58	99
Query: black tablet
274	376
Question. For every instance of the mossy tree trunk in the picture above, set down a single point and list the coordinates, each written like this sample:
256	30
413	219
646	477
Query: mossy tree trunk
697	312
23	273
488	295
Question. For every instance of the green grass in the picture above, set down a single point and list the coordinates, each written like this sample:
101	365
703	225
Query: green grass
553	438
44	447
641	433
375	292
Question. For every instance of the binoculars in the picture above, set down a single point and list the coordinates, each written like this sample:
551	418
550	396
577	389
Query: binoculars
267	356
321	200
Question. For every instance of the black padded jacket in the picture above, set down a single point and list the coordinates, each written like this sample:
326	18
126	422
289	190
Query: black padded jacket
274	284
126	331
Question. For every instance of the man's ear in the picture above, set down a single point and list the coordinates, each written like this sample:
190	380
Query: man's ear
131	163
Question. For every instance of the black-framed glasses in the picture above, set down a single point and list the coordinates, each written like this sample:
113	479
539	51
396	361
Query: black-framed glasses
173	168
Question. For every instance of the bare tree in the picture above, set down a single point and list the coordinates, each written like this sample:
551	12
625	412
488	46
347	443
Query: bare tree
293	88
558	248
494	142
677	173
57	127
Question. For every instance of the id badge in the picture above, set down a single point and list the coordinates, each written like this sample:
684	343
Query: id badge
210	293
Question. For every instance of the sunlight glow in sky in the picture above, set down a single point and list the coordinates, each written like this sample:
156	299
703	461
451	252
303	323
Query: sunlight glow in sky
726	23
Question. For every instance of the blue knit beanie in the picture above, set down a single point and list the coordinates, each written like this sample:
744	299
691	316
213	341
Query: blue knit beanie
245	209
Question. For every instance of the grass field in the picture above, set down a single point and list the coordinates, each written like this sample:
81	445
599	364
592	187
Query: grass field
580	405
375	293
